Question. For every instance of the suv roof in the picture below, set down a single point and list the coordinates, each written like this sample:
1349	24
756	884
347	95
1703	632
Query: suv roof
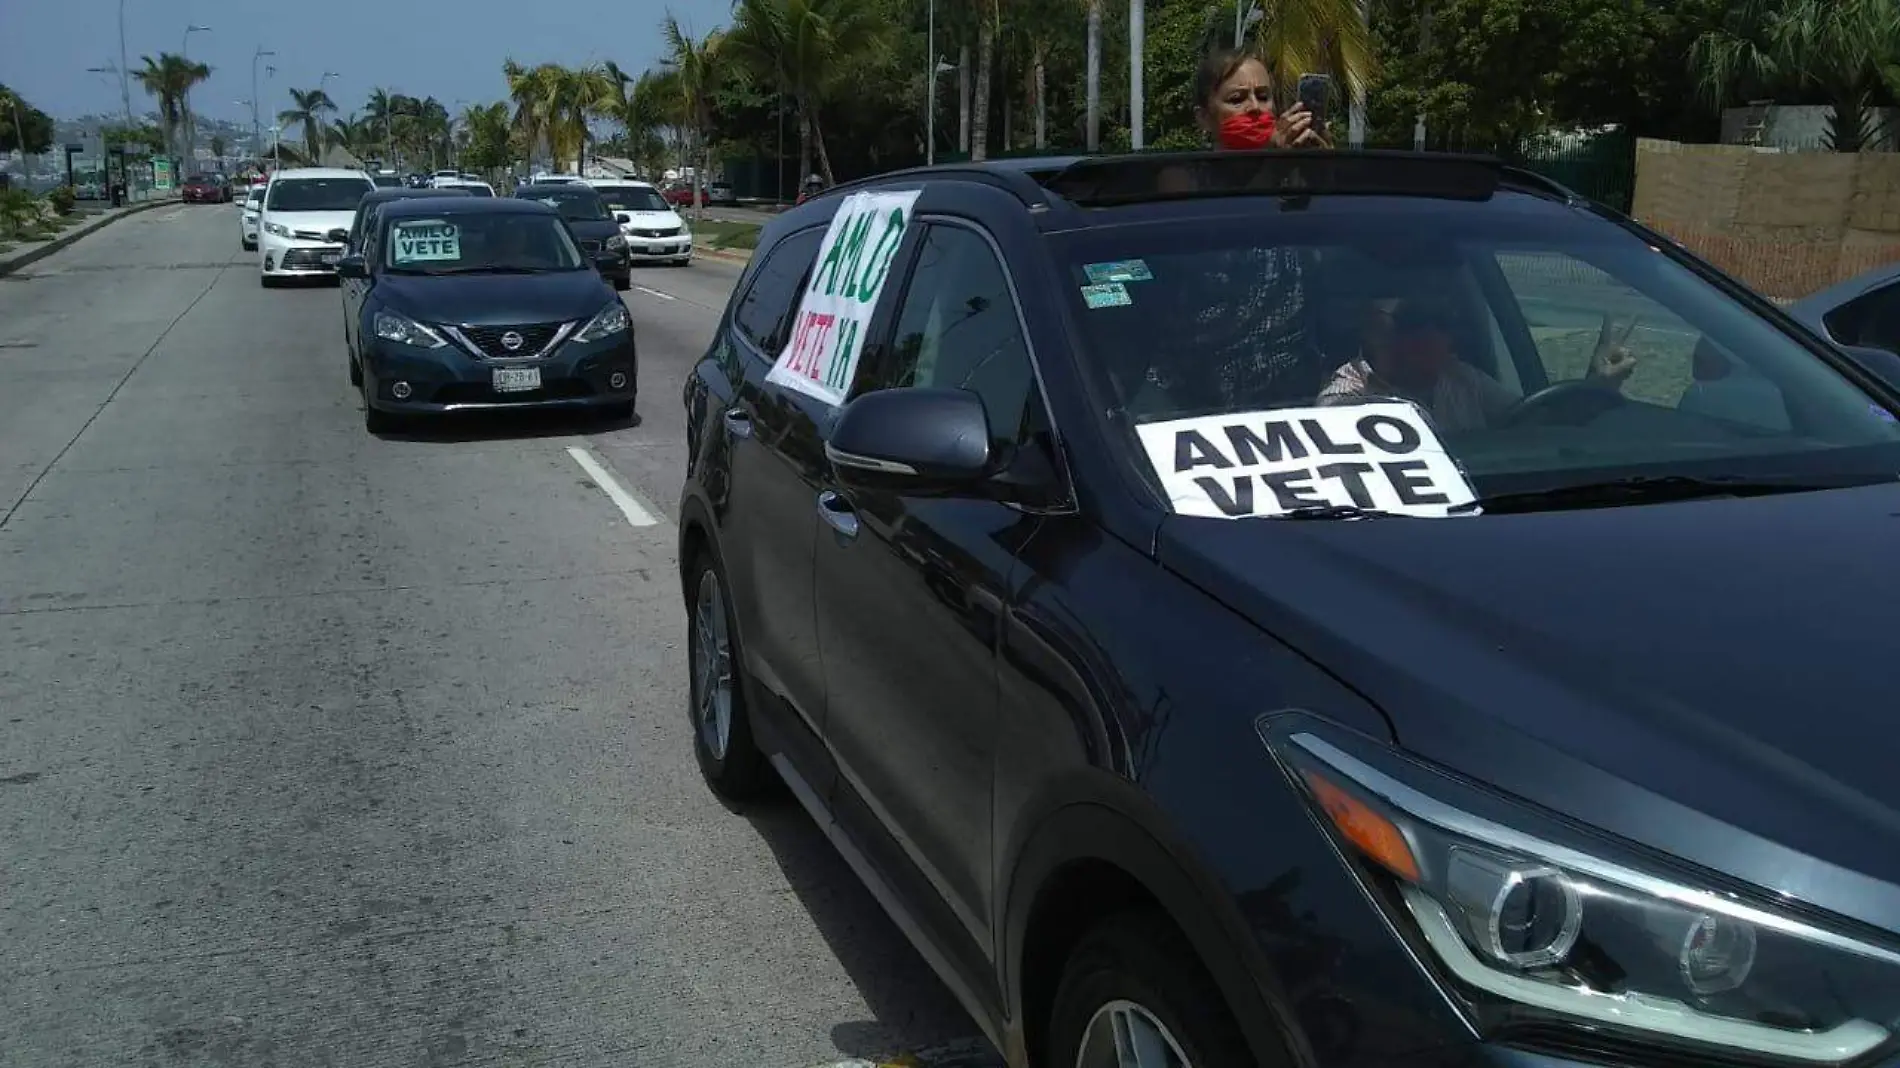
1065	192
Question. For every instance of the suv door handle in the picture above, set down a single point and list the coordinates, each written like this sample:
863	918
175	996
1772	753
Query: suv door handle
837	514
738	423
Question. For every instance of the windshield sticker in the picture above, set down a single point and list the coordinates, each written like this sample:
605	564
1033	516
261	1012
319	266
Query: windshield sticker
1118	271
426	241
1381	456
1106	295
853	264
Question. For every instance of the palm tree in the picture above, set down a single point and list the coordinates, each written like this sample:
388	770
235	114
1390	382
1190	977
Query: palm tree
535	93
1318	35
217	146
695	68
381	115
1845	49
988	14
800	45
169	78
487	129
653	117
308	107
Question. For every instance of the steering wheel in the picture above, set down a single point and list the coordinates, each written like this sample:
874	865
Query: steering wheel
1572	402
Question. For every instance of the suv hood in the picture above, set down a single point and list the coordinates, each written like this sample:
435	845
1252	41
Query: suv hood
1711	678
311	225
496	299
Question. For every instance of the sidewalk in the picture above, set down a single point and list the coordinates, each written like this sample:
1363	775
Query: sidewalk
21	254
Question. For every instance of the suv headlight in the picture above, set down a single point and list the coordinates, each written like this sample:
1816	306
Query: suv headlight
618	241
1532	923
406	331
277	229
609	321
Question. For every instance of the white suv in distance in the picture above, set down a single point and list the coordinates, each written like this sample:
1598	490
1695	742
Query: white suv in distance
306	220
247	219
653	230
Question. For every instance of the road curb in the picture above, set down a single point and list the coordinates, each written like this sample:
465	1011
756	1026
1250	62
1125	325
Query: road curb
729	255
13	261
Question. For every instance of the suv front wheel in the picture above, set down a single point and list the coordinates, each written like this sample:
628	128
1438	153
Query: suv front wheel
1134	996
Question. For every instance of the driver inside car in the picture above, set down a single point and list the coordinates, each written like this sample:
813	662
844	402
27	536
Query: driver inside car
1406	351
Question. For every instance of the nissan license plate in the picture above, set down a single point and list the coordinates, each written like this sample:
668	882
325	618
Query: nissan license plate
516	379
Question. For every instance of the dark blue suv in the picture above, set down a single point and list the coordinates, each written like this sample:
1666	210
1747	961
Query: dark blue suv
1311	609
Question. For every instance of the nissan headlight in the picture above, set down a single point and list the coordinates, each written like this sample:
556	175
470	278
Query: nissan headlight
1529	922
406	331
616	242
276	229
611	320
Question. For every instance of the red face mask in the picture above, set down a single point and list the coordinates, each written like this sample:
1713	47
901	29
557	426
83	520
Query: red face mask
1247	130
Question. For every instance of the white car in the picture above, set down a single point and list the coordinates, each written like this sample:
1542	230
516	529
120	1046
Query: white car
247	219
652	229
544	178
305	211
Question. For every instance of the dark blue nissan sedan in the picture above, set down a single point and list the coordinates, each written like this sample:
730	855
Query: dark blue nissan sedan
465	303
1311	609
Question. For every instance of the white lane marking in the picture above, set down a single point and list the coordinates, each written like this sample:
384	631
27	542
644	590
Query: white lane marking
629	505
656	293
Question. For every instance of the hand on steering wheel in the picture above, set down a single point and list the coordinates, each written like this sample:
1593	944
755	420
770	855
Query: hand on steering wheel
1569	403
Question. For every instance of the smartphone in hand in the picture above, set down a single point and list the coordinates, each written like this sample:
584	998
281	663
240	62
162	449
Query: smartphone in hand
1314	91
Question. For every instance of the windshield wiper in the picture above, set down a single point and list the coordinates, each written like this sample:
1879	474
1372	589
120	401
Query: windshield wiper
1650	489
1331	511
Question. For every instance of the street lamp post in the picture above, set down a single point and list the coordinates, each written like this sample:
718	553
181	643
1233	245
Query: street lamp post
191	126
257	127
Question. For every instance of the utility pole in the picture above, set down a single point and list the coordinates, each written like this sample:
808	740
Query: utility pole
257	125
930	92
125	77
1137	42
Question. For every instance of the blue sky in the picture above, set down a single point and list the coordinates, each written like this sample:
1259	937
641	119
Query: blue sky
449	49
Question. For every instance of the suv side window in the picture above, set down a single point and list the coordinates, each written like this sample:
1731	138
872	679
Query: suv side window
764	315
958	328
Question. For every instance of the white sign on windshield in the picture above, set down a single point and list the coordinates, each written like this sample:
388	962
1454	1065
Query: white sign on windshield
1379	456
821	359
425	241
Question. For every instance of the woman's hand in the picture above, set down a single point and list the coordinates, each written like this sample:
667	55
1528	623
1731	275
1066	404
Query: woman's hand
1613	362
1295	129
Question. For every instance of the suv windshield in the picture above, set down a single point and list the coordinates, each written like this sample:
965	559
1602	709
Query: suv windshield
1548	350
573	202
317	194
634	198
479	243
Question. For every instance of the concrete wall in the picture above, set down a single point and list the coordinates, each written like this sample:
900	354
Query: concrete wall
1785	223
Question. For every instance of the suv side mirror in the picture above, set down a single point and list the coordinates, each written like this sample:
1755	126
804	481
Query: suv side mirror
339	236
621	216
352	266
1877	361
912	440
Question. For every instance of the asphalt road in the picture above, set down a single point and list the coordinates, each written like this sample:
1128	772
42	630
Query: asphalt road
318	749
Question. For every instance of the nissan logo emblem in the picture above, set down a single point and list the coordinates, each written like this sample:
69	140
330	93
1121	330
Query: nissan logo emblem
511	341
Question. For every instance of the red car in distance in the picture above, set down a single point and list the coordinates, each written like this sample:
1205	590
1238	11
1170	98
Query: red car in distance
681	195
207	189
